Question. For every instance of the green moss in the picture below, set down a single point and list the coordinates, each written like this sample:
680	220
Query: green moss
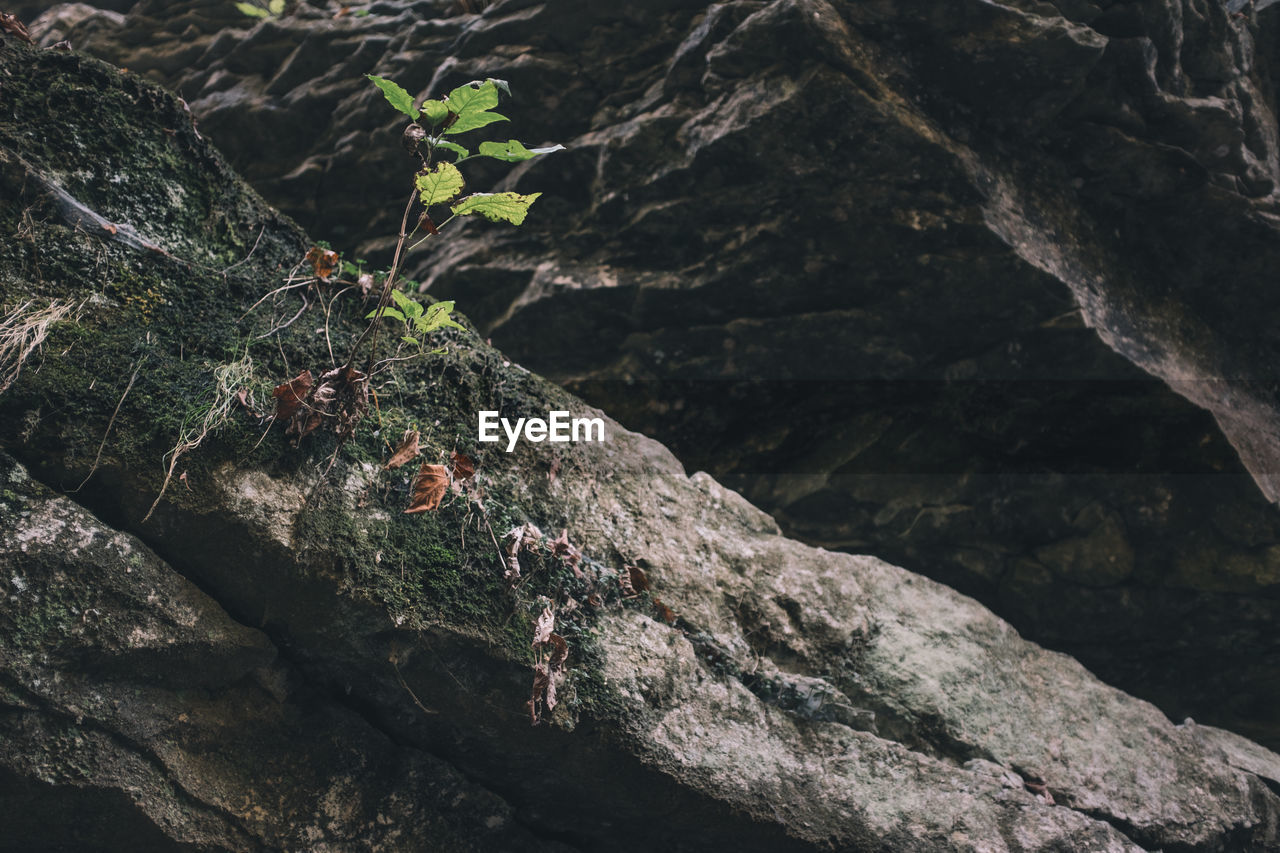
124	148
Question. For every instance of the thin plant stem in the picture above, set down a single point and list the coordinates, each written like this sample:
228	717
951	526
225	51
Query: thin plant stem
385	298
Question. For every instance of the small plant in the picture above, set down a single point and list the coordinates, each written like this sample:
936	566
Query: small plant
273	9
440	184
339	397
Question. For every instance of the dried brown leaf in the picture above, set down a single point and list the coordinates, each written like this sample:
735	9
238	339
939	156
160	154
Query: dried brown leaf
343	394
565	550
10	24
464	467
545	626
405	451
428	488
323	261
365	283
541	683
595	600
639	582
664	612
242	400
428	223
559	652
290	395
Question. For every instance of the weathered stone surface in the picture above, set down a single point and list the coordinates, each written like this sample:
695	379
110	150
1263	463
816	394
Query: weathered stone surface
137	715
820	250
782	697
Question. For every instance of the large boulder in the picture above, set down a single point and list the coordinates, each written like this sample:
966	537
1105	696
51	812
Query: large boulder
274	654
901	274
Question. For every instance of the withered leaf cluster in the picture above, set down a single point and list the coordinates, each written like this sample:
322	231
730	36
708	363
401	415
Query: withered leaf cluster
552	655
525	537
339	400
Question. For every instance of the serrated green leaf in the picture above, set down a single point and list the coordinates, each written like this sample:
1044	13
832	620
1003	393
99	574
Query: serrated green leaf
473	97
471	121
437	317
441	184
452	146
276	7
396	96
387	312
497	207
513	151
253	11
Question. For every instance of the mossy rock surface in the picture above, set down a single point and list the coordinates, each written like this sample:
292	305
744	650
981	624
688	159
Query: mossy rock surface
761	695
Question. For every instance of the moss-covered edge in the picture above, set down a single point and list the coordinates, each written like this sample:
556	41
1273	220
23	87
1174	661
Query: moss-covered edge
129	151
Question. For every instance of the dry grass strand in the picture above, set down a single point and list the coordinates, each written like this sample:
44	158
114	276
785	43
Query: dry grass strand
22	332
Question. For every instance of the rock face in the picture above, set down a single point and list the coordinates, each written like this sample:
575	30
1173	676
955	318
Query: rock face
901	274
279	657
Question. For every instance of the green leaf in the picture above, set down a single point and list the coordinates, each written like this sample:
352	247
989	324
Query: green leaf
437	316
473	120
410	308
508	207
276	7
471	103
361	13
387	312
349	268
409	340
452	146
473	97
513	151
435	111
396	96
441	184
253	11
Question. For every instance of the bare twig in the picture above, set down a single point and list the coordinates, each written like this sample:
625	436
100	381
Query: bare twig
385	299
328	309
111	423
261	231
289	285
